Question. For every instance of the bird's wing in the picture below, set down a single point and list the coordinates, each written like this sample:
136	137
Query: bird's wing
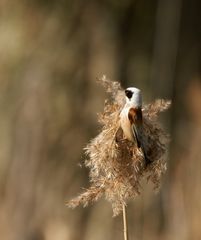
135	118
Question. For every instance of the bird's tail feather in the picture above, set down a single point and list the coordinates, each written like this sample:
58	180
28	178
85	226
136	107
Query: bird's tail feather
147	160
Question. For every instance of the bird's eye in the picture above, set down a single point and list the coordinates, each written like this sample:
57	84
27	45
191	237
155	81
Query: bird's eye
128	93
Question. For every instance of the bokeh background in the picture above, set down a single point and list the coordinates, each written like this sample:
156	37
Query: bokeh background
51	52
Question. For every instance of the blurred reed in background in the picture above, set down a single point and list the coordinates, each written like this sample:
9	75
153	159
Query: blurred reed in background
51	53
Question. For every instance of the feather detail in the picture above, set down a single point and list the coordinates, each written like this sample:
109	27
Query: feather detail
135	118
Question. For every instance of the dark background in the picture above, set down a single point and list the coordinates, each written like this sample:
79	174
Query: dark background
51	53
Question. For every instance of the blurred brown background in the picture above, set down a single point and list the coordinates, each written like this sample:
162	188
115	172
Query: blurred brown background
50	55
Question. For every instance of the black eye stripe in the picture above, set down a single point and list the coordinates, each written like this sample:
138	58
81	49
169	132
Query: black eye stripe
128	93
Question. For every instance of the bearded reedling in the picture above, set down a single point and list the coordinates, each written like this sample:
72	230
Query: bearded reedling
131	119
129	139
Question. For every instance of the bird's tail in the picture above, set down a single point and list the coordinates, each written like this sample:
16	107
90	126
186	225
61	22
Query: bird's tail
146	159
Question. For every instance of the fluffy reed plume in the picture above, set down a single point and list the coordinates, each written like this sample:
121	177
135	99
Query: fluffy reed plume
116	164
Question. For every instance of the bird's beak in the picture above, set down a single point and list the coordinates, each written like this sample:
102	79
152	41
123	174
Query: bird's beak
126	92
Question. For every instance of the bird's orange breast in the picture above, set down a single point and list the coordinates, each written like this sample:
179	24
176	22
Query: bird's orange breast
135	115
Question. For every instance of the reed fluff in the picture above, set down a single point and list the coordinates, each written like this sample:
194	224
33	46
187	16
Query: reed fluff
117	165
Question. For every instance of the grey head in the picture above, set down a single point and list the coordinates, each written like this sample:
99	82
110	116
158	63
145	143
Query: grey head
133	97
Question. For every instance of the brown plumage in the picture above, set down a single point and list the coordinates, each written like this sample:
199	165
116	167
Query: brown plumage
136	121
135	118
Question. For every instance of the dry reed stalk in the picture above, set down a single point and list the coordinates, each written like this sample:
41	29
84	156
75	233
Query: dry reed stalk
116	165
125	222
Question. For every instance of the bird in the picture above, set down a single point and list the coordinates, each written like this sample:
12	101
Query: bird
131	119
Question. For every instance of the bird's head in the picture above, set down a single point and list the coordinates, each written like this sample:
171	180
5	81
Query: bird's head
133	96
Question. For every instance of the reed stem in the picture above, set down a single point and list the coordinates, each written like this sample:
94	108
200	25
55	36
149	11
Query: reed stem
125	222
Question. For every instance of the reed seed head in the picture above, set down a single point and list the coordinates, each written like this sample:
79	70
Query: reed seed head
117	165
